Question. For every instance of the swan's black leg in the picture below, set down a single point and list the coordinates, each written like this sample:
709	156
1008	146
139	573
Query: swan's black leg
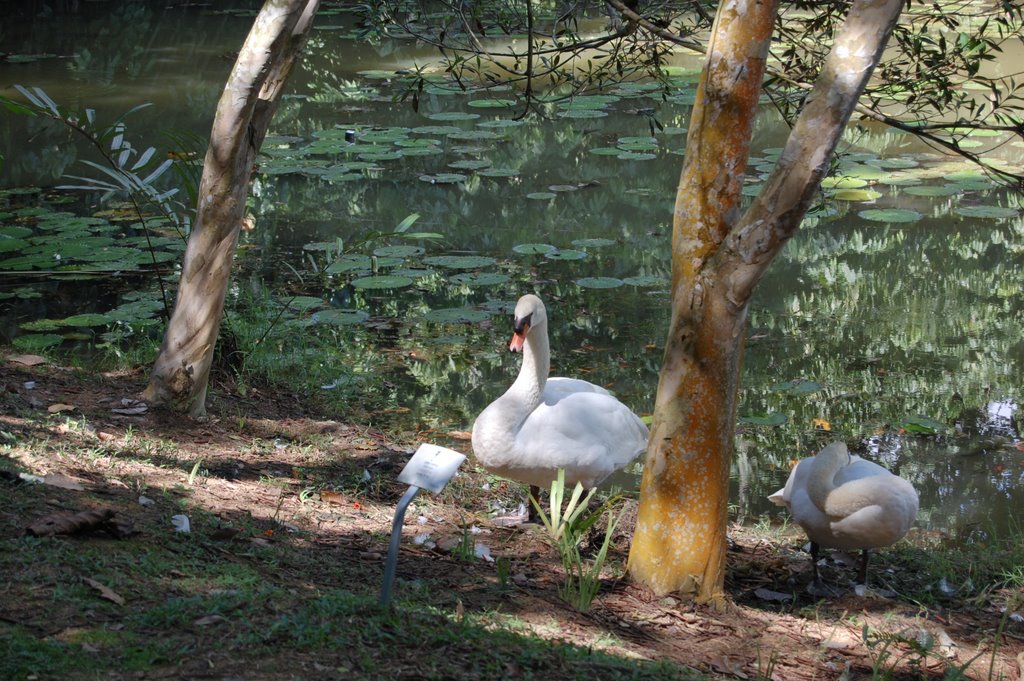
531	510
863	576
814	562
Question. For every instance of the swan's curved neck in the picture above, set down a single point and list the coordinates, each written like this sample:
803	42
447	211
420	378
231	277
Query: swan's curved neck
821	480
536	365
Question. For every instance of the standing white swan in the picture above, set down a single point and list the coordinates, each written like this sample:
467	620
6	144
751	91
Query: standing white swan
542	424
844	502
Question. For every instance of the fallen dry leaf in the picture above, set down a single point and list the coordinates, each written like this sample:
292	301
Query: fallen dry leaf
336	498
27	360
70	523
59	407
105	591
64	482
131	407
460	434
209	619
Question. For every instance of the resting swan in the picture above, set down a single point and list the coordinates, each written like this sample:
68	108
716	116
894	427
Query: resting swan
542	424
844	502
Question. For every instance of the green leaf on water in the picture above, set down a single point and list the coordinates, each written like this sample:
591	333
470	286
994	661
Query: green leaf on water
382	281
593	243
533	249
37	341
797	387
541	196
349	263
399	251
565	254
599	282
772	419
922	425
993	212
42	325
480	279
646	280
302	302
9	245
456	315
460	262
890	215
87	319
336	317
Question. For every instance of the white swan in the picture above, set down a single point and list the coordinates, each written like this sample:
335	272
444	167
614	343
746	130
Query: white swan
844	502
542	424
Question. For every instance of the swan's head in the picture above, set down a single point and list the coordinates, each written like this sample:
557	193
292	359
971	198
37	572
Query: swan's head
529	314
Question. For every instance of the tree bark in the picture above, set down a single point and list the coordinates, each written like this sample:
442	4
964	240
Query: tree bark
181	371
717	259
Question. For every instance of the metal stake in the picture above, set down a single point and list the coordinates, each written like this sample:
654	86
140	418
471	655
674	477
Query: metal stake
396	538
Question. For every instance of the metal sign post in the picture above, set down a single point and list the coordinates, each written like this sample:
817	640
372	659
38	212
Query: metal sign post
431	467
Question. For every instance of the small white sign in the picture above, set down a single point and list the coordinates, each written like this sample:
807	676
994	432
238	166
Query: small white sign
431	467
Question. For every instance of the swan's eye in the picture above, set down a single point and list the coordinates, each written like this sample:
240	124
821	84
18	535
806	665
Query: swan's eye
520	326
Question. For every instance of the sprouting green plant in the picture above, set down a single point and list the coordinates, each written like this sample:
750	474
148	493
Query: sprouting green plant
504	567
466	548
567	527
195	471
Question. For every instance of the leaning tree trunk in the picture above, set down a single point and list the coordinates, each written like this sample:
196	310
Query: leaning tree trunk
717	259
181	372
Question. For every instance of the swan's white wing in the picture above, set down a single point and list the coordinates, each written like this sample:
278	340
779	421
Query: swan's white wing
589	434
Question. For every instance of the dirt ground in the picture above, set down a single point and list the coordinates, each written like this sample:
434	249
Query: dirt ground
270	472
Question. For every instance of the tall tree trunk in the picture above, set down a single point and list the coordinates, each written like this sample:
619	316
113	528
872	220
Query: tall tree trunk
717	259
181	372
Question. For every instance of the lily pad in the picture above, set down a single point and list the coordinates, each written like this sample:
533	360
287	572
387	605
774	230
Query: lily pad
498	172
87	319
890	215
443	178
934	190
599	282
480	279
382	281
773	419
592	243
460	262
922	425
453	116
636	156
645	280
565	254
335	317
456	315
8	245
993	212
469	164
37	341
349	262
492	103
797	387
399	251
533	249
303	302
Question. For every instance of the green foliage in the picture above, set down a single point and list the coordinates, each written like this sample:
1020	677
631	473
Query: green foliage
567	528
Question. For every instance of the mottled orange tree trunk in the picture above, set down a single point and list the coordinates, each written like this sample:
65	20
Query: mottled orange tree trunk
181	370
718	256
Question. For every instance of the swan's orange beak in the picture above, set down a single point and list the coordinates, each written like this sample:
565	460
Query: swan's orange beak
520	328
518	339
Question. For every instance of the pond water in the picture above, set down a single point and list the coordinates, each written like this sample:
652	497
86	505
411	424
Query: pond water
891	320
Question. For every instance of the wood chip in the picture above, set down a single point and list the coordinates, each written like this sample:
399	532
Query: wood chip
105	591
59	407
70	523
27	360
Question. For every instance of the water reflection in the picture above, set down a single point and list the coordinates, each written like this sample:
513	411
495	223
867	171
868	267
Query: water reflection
902	326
